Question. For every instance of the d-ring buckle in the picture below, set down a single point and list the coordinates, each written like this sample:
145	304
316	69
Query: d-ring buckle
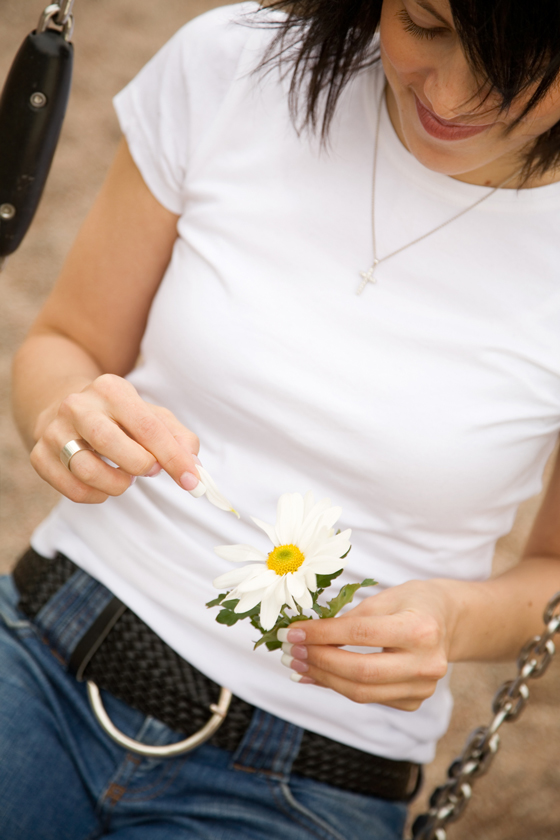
219	711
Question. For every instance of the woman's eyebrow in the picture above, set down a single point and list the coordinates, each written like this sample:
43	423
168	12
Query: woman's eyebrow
424	4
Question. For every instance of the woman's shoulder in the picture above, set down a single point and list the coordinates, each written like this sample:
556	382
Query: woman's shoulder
219	34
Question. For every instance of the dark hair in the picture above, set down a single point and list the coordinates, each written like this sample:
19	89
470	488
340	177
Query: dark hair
510	45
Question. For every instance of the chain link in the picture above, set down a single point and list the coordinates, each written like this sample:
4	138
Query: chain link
448	802
58	16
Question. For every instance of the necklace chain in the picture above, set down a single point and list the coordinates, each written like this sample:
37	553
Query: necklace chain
369	275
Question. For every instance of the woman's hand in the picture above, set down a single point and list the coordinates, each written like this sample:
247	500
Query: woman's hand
110	415
409	622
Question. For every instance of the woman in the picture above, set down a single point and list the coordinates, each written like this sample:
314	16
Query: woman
227	248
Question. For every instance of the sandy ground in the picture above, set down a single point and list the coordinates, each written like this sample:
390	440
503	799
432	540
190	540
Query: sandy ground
519	798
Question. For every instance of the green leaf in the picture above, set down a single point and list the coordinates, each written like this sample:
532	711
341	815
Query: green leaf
345	596
217	601
269	638
228	617
324	581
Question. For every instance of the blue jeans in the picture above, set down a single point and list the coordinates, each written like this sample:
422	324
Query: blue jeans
62	778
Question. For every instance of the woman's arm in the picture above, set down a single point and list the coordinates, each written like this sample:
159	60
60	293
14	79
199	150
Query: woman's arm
424	625
68	374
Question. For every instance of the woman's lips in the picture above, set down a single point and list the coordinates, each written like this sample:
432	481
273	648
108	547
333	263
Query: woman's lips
444	130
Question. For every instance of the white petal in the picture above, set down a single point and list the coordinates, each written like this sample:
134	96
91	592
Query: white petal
305	600
288	597
308	504
232	578
336	546
325	565
310	580
295	583
268	529
265	577
271	605
213	494
289	516
240	554
249	600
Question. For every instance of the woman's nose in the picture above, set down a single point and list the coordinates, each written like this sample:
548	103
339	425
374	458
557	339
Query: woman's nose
452	90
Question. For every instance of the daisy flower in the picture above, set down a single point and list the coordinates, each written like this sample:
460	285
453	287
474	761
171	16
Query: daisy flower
305	545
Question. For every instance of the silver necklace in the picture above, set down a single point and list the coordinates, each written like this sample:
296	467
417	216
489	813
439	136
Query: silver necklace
369	275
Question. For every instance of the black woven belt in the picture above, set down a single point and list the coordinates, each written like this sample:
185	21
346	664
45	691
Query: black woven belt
132	663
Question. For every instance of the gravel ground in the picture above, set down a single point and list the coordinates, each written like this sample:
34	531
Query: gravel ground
519	799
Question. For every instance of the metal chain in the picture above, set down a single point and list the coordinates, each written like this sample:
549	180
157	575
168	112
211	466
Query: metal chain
58	16
448	802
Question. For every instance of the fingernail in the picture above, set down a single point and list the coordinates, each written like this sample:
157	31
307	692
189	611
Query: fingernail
189	481
287	660
197	460
156	469
198	491
299	651
287	648
289	634
132	479
299	678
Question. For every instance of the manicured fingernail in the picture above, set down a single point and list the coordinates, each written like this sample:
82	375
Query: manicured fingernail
156	469
287	648
198	491
189	481
295	664
299	678
197	460
299	651
289	634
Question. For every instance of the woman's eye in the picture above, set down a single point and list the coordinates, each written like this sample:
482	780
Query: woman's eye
418	31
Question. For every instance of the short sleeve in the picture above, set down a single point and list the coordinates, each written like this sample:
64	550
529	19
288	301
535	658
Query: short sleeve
166	110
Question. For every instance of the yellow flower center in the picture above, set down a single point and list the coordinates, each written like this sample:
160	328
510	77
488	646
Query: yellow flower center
285	559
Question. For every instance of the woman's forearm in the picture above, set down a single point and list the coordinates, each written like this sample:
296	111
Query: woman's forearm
47	368
492	619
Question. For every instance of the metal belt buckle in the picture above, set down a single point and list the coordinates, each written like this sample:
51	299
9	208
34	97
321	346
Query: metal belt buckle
80	658
219	711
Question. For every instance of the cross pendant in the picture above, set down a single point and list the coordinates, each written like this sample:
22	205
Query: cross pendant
368	277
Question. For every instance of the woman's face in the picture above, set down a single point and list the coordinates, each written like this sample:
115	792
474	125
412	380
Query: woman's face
435	102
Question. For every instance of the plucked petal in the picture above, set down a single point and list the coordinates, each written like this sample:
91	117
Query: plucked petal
213	494
240	554
232	578
271	604
268	529
289	516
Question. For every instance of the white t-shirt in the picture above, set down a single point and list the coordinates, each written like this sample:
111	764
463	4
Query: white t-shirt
426	407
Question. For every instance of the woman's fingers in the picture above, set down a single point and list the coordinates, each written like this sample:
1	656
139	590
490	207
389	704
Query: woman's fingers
63	480
119	425
137	438
407	696
403	623
357	628
372	668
